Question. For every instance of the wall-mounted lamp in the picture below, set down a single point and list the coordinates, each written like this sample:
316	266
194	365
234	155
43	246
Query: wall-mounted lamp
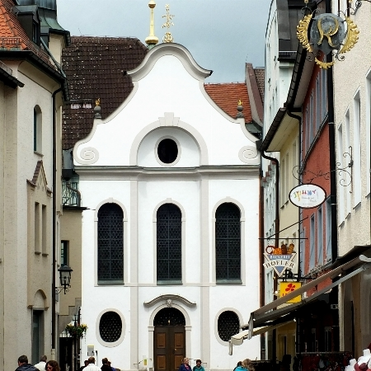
64	278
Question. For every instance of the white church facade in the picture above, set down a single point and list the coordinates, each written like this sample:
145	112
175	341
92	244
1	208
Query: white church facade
170	260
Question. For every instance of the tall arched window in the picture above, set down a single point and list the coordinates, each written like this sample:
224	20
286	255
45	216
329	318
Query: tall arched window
110	244
228	243
37	130
169	244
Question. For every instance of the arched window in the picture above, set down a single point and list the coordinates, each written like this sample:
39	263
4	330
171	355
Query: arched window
169	244
228	243
110	244
37	130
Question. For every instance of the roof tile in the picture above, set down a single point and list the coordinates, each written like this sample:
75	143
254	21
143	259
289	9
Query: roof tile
227	96
96	68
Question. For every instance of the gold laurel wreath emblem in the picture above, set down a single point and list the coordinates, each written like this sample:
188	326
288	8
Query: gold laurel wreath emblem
302	32
352	36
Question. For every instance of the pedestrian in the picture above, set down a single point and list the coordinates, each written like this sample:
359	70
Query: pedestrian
185	365
198	366
247	365
23	364
41	365
91	365
112	368
86	362
106	365
52	366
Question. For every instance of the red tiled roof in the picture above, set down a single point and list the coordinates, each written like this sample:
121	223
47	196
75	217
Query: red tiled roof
95	68
13	37
260	76
227	96
12	34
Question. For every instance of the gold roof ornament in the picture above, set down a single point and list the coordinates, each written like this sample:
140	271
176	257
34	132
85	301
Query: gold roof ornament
151	40
325	34
168	38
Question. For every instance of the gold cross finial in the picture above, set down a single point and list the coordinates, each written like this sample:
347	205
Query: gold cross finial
168	38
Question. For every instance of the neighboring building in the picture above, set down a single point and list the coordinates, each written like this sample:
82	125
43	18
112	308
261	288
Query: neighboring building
170	184
330	318
352	122
31	90
280	154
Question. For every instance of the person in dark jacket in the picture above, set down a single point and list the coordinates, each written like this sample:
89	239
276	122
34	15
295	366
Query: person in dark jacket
106	365
23	364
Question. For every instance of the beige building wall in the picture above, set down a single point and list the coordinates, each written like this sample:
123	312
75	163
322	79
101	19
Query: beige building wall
71	232
352	87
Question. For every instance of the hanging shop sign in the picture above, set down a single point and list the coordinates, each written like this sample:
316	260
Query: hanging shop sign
307	196
327	33
287	288
280	258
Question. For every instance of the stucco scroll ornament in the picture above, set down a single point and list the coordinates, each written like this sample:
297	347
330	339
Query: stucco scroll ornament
327	33
89	155
248	153
169	303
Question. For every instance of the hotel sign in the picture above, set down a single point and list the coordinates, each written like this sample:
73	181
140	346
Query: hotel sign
280	258
307	196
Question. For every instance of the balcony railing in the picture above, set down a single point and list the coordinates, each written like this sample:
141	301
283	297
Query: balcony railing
70	194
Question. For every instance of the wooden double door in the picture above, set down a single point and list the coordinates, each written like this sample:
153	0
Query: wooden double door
169	341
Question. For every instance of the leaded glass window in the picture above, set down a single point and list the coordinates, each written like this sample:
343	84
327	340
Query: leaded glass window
228	243
110	243
228	325
169	244
110	327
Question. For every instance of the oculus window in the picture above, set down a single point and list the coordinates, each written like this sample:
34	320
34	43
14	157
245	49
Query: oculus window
167	151
110	327
228	325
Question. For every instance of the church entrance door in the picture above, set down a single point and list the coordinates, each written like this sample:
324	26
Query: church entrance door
169	341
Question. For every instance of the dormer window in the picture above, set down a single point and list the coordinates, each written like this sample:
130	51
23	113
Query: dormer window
28	16
36	32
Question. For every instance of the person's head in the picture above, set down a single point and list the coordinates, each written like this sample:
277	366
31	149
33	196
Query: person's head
246	363
186	360
105	361
23	359
239	363
43	358
52	366
91	360
86	362
198	362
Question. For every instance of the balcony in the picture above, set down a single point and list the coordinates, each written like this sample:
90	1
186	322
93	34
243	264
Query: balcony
70	193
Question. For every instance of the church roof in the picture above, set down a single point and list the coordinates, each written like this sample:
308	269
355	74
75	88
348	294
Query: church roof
96	69
227	96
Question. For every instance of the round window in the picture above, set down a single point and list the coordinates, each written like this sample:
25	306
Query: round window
110	327
167	151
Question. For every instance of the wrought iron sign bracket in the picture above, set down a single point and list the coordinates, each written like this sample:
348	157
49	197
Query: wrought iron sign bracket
345	172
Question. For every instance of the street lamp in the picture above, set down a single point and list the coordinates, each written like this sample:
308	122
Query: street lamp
64	278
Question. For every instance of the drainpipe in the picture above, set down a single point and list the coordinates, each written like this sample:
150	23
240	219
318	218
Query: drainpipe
331	123
277	208
276	238
54	233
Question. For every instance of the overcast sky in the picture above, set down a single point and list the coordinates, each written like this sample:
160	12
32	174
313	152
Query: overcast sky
222	35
